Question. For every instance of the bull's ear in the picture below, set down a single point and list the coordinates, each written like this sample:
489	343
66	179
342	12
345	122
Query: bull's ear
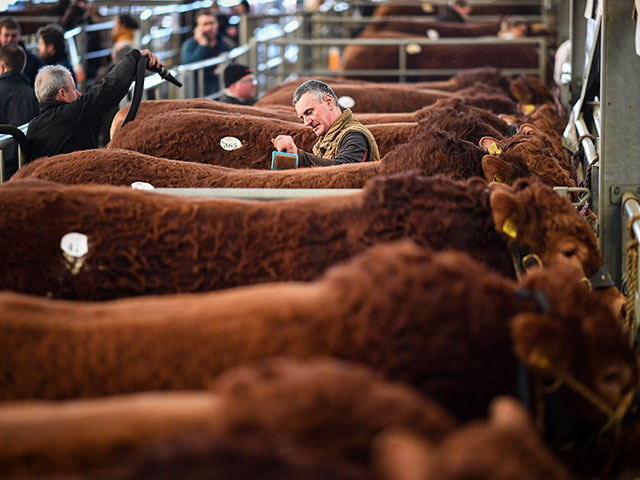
495	169
507	211
492	145
528	128
540	342
401	454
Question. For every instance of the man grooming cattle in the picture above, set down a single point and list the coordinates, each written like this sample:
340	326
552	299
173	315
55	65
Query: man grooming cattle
341	138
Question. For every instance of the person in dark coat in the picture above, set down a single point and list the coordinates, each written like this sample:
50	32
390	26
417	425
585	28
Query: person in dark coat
51	47
18	103
206	43
457	11
69	121
10	33
240	85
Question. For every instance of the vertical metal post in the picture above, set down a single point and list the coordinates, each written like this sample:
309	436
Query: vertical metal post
542	59
308	20
563	22
402	62
578	29
620	146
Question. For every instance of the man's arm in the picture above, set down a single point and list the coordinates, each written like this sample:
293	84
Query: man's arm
107	93
353	148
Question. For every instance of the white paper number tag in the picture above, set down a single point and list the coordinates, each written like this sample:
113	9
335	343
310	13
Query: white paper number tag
230	143
346	101
142	186
75	244
413	48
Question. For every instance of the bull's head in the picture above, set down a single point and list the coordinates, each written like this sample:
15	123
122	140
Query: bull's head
583	366
523	155
537	221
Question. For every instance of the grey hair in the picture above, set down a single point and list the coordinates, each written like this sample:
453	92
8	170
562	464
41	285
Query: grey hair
316	89
50	80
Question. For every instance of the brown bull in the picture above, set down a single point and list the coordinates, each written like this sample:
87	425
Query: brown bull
195	136
440	322
444	29
448	57
347	403
142	243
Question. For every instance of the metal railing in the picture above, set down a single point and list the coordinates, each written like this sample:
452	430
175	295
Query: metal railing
8	141
403	72
263	194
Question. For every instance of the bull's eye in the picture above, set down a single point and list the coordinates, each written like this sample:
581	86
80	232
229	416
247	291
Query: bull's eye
611	378
569	253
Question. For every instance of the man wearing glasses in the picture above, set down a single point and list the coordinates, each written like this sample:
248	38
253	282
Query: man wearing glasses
240	85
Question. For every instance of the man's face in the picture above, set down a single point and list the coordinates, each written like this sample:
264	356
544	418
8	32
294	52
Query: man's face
319	116
208	25
246	87
8	35
71	93
44	50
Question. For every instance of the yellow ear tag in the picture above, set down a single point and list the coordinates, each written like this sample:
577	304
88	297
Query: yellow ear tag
529	109
494	150
539	360
509	227
499	179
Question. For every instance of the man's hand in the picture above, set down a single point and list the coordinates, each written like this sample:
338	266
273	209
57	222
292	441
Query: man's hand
202	37
284	143
153	60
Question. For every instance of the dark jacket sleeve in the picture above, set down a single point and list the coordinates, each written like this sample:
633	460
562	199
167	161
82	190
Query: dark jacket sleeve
353	148
106	94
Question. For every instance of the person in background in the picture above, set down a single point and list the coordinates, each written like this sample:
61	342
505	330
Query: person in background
18	103
240	85
205	43
232	30
69	121
10	33
78	14
51	47
124	28
456	11
513	27
341	138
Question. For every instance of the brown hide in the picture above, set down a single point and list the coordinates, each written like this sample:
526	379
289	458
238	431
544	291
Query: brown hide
142	243
464	78
440	322
154	107
453	57
430	152
370	98
497	103
533	152
323	407
195	136
507	446
530	90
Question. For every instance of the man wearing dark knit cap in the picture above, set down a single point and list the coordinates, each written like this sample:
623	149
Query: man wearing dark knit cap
240	85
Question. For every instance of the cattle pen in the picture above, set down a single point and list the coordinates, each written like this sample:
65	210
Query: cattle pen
173	305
